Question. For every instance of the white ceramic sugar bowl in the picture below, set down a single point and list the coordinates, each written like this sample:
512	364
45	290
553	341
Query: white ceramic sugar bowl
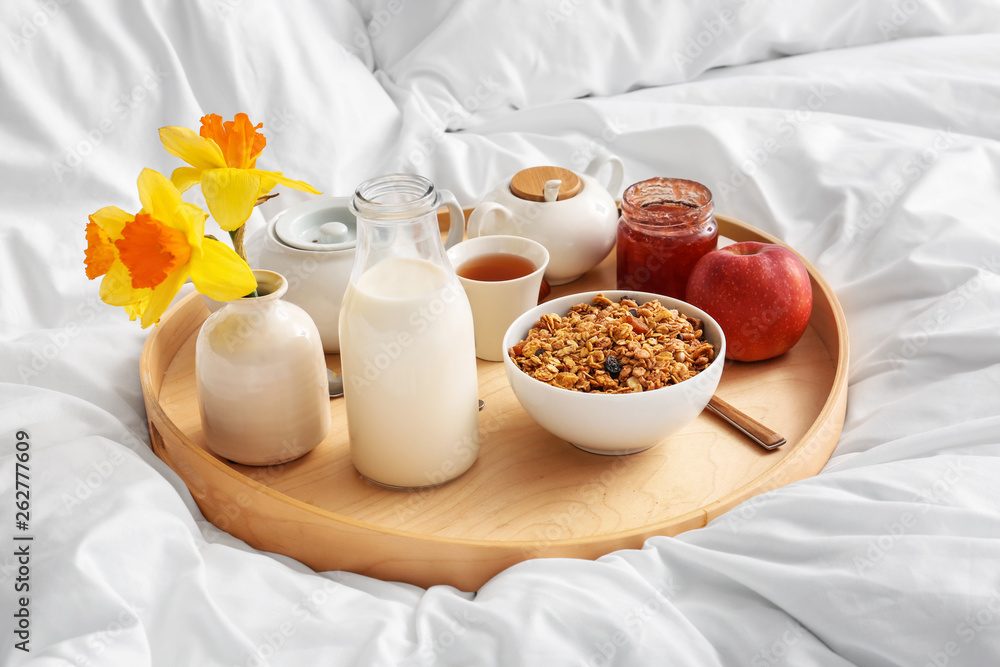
312	244
572	215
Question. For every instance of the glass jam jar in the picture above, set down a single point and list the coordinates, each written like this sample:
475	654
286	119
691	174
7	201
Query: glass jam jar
667	224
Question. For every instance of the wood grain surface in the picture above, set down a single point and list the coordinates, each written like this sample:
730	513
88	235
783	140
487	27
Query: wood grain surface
530	183
529	494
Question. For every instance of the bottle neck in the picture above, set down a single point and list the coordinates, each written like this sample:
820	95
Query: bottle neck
397	219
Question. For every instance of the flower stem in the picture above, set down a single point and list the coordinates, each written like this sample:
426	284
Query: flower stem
240	248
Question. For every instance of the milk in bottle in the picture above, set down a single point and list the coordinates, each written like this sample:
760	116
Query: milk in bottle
407	342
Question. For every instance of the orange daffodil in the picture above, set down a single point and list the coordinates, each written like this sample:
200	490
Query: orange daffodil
146	257
223	159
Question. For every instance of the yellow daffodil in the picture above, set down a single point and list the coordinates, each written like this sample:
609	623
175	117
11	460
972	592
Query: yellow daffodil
146	258
103	230
223	159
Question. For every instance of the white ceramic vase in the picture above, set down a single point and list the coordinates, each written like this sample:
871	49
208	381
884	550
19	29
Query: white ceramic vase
262	382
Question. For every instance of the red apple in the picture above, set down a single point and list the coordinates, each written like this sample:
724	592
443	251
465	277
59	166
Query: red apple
760	295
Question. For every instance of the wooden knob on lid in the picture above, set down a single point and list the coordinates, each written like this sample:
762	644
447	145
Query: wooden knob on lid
530	183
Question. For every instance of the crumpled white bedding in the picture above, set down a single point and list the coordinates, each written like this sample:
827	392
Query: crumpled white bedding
864	134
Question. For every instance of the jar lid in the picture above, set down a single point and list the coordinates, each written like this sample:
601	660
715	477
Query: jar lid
539	184
323	225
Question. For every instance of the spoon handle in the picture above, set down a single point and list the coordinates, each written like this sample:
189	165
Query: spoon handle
756	431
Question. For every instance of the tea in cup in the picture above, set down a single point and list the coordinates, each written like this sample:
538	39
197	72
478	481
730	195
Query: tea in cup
502	276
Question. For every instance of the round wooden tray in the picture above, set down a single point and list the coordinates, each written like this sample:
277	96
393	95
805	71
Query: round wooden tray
529	494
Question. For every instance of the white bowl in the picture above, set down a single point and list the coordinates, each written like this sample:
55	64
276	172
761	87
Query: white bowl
613	423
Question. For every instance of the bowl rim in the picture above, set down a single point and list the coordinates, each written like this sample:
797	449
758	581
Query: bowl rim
526	320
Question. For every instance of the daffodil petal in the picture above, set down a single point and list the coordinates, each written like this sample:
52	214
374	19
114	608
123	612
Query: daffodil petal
220	273
196	150
192	219
161	296
116	287
134	310
158	195
269	179
111	220
184	177
231	195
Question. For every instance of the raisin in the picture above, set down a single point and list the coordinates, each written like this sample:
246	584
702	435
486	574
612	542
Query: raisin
613	367
633	312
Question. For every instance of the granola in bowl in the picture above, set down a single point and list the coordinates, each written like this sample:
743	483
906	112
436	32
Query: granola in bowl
614	347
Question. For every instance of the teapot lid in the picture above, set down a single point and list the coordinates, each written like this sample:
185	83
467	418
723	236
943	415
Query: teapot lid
325	224
531	184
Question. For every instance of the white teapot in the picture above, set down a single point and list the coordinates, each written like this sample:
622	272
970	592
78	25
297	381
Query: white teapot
572	215
312	245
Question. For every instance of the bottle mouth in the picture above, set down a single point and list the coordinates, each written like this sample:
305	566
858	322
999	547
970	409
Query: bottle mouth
666	201
395	197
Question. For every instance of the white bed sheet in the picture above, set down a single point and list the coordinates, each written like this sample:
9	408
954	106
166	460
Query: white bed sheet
872	151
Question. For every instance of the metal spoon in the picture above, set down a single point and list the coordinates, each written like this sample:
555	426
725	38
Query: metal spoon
749	426
336	382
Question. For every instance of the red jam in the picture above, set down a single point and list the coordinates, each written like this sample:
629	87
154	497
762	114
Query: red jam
667	225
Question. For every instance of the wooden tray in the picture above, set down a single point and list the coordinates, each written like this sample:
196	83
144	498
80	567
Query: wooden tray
529	494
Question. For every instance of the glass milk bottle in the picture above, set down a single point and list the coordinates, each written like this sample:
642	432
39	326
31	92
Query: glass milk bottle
407	344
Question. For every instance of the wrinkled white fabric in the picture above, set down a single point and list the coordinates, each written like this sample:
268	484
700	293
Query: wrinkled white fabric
870	147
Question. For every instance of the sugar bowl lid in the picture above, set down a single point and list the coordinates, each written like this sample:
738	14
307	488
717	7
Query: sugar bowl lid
319	224
545	184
